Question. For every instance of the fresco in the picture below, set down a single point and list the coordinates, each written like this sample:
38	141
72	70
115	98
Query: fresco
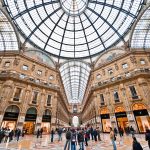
40	56
109	56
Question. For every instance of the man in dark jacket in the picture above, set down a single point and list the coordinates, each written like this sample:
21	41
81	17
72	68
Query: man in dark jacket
136	145
147	137
68	139
81	139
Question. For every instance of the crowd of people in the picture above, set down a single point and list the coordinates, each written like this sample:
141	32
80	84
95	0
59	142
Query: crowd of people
77	136
81	137
7	135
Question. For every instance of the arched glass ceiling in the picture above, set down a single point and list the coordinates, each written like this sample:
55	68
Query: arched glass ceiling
75	75
73	28
141	34
8	38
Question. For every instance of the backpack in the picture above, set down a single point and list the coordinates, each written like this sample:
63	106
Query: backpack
68	135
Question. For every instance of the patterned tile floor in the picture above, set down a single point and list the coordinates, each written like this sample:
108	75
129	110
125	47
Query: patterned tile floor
32	143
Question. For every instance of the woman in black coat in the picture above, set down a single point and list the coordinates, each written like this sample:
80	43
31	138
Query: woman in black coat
136	145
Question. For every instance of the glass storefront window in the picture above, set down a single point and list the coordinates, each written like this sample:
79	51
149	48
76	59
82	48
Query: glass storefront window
143	123
106	125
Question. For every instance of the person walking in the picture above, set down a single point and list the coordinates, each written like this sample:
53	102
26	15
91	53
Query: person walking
52	135
18	134
147	137
73	140
113	138
68	140
37	133
87	135
95	135
98	134
115	131
81	139
132	131
60	134
136	145
41	132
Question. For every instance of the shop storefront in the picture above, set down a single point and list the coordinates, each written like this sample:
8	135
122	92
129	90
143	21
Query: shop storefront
10	117
141	116
122	120
142	120
106	123
30	120
46	121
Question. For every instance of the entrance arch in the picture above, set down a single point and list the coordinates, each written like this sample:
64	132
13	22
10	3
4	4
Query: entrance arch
121	118
105	119
30	120
75	121
46	121
141	116
10	117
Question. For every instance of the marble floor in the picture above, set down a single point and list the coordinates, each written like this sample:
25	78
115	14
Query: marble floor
30	142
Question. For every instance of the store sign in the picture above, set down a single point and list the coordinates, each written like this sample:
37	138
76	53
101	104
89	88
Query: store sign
10	116
120	114
140	112
105	116
30	117
46	118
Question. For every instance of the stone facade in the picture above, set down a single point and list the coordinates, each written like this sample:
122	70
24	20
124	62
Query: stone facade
28	76
120	86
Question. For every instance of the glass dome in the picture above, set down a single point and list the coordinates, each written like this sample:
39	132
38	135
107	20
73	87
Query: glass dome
141	35
8	38
73	28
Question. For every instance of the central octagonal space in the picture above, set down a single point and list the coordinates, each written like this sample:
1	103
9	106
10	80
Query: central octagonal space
74	7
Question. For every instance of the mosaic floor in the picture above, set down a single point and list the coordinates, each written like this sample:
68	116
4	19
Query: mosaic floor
32	143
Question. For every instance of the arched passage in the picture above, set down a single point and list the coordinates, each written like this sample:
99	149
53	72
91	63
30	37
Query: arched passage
10	117
46	121
30	120
141	116
75	121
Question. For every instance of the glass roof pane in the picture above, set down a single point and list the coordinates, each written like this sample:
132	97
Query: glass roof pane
8	38
69	28
141	34
75	76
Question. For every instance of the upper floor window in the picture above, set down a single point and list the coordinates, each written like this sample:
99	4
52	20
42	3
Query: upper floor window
125	65
102	99
25	67
127	74
7	64
110	71
98	76
39	72
133	92
17	94
142	61
51	77
22	76
116	96
35	95
49	100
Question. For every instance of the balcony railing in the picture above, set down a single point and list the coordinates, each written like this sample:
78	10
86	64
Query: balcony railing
122	76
